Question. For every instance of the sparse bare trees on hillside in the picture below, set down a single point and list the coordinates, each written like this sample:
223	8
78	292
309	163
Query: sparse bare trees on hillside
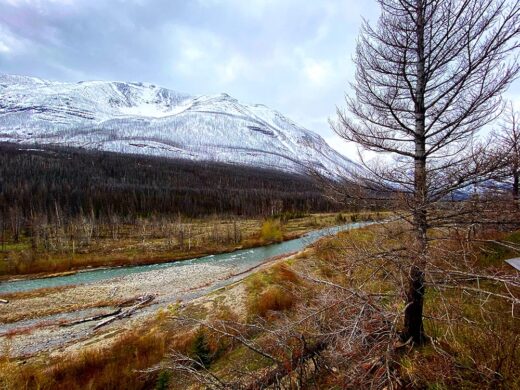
62	187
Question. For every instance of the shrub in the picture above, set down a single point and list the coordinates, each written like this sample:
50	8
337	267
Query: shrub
116	367
273	298
282	273
288	215
201	351
163	380
271	231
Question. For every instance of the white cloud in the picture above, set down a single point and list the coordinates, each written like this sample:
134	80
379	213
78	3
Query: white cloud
232	69
188	57
10	44
194	49
4	48
514	98
317	72
37	3
251	8
348	149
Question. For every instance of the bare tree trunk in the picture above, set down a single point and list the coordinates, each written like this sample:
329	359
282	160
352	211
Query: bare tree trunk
413	315
413	321
3	219
516	185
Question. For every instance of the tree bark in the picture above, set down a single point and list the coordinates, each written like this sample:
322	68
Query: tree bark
413	315
516	185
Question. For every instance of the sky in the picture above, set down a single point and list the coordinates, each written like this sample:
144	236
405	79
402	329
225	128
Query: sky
293	55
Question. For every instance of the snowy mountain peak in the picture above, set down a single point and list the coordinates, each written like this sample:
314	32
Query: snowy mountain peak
142	118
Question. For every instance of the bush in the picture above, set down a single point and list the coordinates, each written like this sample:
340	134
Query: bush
288	215
271	231
281	273
273	298
163	380
118	367
201	351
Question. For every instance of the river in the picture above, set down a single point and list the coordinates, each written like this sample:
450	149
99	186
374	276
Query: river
244	258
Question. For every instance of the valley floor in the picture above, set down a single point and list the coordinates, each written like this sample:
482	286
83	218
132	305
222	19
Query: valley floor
258	307
41	321
152	240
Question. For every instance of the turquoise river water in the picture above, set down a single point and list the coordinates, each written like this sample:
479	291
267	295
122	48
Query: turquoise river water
244	257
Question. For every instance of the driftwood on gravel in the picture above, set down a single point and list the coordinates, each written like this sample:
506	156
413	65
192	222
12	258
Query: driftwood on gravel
4	301
93	318
141	301
116	314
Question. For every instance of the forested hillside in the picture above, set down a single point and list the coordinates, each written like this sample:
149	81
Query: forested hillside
69	182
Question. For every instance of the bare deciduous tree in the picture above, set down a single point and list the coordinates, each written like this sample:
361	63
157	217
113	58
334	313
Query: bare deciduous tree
429	75
507	140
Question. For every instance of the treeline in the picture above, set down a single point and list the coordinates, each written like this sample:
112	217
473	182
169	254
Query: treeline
62	182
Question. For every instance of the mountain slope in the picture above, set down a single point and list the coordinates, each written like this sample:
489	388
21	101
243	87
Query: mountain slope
145	119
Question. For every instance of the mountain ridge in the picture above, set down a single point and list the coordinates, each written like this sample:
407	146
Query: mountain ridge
142	118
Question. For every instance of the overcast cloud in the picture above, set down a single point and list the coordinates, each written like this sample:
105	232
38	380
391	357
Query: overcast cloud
292	55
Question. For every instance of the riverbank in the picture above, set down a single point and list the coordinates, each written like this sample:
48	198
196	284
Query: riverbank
146	261
156	242
37	322
33	320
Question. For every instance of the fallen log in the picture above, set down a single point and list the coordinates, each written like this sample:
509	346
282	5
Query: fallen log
4	301
127	312
93	318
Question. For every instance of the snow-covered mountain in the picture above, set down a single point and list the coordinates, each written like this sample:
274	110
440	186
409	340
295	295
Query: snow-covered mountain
142	118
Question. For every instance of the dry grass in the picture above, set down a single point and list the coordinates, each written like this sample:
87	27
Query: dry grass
274	298
120	363
150	242
114	368
271	291
40	292
475	339
21	309
473	351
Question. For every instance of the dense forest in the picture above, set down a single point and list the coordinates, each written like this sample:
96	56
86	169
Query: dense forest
70	182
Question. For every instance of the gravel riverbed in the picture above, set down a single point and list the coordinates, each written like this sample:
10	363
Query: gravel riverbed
33	324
